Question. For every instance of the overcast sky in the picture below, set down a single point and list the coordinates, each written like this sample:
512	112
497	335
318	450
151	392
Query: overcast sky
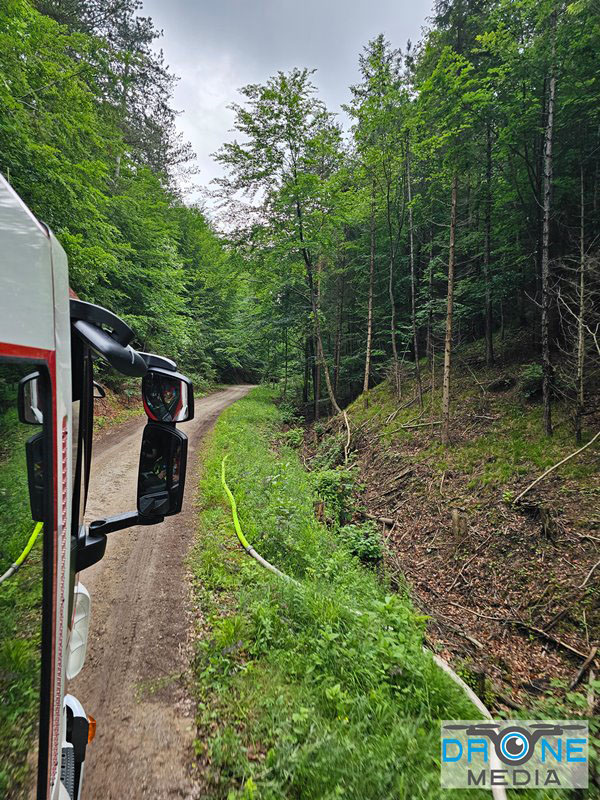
217	46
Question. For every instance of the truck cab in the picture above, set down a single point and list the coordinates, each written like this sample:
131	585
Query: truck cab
50	343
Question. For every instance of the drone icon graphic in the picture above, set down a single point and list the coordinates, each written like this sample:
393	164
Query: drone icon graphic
514	745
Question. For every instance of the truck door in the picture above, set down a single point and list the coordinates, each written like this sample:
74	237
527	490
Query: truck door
27	576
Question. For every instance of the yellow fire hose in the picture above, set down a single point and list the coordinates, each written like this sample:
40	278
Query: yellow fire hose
498	792
14	567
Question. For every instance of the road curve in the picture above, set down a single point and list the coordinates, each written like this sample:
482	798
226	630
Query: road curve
134	679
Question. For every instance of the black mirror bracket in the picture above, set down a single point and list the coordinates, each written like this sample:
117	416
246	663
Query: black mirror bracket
121	521
91	546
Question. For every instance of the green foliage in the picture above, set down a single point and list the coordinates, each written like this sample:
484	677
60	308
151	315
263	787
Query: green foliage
294	437
103	180
289	413
335	488
330	451
530	381
298	695
363	541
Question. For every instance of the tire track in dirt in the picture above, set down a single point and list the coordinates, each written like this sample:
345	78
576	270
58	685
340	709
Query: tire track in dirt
133	681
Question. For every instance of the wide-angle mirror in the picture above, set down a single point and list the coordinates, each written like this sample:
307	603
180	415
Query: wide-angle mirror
161	477
30	400
168	396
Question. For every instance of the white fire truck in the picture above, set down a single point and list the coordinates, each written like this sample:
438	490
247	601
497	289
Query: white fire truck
49	341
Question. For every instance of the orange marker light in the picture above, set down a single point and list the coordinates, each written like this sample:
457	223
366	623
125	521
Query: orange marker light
91	728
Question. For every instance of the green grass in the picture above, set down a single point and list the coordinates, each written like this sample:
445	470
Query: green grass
20	610
297	696
513	446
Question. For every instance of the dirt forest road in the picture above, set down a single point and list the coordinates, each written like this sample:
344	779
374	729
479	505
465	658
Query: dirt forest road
133	681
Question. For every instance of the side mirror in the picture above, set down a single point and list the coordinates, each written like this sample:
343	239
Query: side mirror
168	396
99	393
34	454
30	400
161	477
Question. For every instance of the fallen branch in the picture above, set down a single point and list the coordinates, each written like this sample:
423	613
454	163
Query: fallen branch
548	471
589	575
466	564
577	680
347	445
385	520
548	637
591	698
458	631
507	701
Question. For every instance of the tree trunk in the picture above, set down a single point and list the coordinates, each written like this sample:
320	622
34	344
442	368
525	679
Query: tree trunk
449	315
370	301
429	344
395	362
546	207
285	373
321	360
316	384
314	301
337	350
306	371
393	246
581	315
489	338
413	281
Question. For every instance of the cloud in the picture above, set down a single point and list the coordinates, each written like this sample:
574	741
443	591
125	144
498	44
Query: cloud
217	46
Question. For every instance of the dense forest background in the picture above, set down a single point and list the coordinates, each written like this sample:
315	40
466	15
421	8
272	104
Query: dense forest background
461	203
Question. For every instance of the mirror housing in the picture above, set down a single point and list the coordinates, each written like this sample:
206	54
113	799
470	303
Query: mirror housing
30	400
34	454
99	393
168	396
161	476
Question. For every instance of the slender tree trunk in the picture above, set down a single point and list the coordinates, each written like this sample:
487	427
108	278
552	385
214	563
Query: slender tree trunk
337	350
322	361
285	373
317	385
449	316
393	245
370	301
429	344
539	187
581	314
413	281
546	205
489	336
314	300
306	371
395	362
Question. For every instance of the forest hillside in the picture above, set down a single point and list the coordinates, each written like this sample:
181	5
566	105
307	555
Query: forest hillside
456	199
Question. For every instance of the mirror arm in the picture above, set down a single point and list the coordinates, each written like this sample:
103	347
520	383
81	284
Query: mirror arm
91	546
121	521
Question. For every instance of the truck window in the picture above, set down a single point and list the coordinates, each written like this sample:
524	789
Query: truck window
22	592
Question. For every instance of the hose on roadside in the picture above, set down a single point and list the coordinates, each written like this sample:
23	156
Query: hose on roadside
17	564
498	792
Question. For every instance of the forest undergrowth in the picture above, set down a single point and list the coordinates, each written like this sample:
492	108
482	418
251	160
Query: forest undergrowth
297	696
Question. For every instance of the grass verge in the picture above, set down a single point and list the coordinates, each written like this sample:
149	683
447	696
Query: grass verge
297	696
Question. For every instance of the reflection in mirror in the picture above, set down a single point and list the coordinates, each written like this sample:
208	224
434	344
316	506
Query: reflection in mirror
30	399
99	393
161	476
168	396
